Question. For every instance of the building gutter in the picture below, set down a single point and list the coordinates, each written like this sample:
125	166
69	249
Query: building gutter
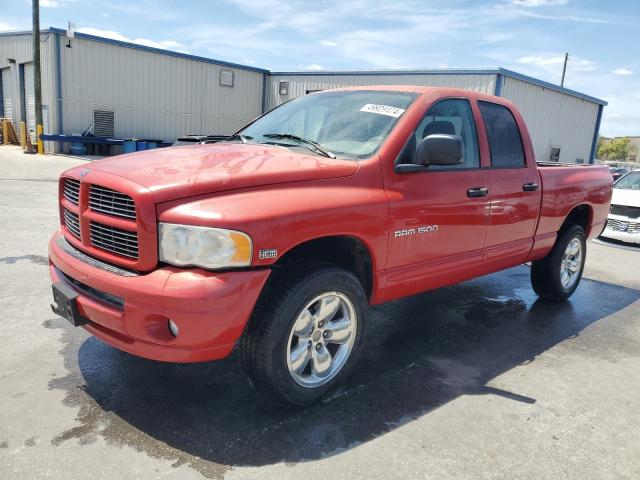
596	133
58	67
499	82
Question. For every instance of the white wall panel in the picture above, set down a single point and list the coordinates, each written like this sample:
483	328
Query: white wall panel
554	119
19	48
300	84
153	95
7	93
30	101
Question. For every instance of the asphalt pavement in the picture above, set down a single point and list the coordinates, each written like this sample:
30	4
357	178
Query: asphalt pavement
476	381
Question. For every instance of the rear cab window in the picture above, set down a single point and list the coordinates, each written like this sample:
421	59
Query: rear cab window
505	141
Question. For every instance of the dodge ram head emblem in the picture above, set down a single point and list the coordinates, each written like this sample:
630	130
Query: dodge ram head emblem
84	172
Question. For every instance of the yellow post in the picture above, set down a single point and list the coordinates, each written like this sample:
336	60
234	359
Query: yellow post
39	141
5	132
23	135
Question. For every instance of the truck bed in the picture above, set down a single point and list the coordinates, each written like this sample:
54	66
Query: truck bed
565	186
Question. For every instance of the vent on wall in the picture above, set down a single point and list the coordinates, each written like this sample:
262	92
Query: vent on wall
226	78
104	123
554	156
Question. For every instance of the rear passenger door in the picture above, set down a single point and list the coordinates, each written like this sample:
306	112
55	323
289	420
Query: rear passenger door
514	193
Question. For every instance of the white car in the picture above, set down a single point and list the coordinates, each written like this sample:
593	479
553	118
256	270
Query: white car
623	222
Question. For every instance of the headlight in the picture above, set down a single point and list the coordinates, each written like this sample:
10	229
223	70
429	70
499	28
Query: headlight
183	245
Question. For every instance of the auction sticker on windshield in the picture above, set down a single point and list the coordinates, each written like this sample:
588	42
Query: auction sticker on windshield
383	110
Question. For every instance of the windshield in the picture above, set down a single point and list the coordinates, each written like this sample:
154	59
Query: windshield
630	181
345	124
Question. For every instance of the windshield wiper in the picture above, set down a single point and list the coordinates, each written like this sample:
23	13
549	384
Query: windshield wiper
238	136
310	144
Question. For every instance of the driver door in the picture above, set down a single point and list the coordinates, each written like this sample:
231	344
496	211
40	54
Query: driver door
440	215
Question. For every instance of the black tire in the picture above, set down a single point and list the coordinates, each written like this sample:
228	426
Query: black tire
546	273
263	346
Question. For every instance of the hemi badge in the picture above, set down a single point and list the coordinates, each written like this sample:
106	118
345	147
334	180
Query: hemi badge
267	253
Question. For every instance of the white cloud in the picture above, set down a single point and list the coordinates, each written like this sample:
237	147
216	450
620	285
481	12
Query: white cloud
552	62
329	43
164	44
622	71
537	3
314	67
7	27
54	3
540	60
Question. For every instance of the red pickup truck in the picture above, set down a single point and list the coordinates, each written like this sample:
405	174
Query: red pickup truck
277	239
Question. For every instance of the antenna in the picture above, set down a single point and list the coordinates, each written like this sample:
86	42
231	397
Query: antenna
71	33
564	68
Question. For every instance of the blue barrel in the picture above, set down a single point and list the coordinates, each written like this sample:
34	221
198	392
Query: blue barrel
152	145
129	146
141	145
78	149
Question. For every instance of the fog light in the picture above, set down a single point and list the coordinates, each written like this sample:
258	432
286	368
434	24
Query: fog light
173	328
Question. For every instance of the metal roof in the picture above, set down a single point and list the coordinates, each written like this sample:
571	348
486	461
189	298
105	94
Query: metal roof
453	71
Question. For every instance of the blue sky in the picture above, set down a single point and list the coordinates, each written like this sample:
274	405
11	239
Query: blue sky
528	36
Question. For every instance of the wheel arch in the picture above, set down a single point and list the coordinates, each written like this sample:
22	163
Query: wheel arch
580	215
347	251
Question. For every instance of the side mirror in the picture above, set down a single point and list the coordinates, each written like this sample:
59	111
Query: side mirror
439	149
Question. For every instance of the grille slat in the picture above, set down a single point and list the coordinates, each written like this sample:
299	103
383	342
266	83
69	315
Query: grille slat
126	235
72	222
71	190
114	240
107	201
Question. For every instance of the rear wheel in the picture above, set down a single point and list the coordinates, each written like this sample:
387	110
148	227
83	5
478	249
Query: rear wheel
306	334
556	276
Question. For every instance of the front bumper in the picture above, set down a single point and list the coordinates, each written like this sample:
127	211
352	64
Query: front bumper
616	224
131	312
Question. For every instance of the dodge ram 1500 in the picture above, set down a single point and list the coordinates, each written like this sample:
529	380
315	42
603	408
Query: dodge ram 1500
277	239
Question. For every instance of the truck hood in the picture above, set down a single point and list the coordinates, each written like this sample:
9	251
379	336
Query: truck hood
627	197
179	172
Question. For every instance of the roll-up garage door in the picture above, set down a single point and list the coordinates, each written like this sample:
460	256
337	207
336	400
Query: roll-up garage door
30	100
7	93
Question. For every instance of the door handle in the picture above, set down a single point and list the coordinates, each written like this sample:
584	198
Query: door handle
530	187
477	192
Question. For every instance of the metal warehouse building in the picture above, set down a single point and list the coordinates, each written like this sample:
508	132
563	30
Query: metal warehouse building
126	90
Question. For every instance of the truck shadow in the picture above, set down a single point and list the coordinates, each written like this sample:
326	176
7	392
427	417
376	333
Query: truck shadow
421	353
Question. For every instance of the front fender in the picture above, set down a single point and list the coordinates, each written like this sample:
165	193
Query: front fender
280	217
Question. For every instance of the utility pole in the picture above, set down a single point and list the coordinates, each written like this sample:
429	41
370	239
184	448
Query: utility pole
36	72
564	68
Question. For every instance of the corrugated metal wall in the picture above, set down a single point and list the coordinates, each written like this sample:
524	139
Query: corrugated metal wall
153	95
18	47
301	84
554	119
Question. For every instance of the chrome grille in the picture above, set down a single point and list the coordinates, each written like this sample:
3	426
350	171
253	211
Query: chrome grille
114	240
72	222
71	190
622	226
110	202
631	212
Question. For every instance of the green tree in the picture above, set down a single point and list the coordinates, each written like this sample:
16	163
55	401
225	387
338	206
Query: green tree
614	149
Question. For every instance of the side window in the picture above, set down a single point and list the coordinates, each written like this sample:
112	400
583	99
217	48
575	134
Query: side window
504	138
452	117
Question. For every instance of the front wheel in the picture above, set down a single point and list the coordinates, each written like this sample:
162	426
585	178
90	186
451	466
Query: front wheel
306	334
556	276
